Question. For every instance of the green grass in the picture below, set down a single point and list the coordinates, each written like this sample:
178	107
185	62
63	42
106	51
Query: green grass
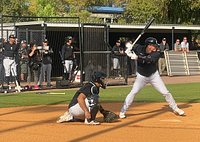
181	93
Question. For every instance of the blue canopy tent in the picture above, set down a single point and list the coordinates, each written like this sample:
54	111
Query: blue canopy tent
106	9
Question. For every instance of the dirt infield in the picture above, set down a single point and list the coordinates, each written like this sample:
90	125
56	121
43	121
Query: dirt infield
146	122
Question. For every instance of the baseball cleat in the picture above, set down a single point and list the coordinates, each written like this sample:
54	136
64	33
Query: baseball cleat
91	122
65	117
122	115
179	112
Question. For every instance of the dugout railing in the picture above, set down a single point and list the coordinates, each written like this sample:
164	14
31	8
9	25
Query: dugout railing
182	63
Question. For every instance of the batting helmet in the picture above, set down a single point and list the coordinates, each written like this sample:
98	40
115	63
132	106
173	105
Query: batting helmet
99	77
152	41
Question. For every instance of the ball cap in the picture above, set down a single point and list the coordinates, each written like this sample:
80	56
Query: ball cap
23	41
45	40
68	38
118	41
12	36
164	39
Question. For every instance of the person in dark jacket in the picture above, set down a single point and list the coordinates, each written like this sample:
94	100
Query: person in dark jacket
68	56
34	64
46	65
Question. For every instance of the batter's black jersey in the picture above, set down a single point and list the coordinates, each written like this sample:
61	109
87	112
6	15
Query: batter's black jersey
89	89
10	50
144	67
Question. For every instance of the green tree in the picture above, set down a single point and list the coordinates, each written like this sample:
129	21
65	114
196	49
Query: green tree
184	11
46	7
14	7
138	11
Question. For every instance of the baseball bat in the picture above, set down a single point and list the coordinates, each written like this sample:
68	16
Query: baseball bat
144	30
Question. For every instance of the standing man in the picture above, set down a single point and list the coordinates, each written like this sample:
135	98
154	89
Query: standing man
117	50
23	63
9	62
147	57
161	62
46	65
34	64
68	56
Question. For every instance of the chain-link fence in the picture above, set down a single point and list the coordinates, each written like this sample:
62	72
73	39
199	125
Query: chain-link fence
91	42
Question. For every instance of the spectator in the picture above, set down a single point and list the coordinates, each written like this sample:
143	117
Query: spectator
67	58
185	45
34	64
161	62
117	50
46	65
177	45
23	63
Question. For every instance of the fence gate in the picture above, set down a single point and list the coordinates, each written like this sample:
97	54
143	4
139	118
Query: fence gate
96	53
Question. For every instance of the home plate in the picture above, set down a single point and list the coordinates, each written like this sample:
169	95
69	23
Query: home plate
171	120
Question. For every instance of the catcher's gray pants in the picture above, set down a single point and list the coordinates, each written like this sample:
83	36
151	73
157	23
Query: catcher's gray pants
77	111
156	81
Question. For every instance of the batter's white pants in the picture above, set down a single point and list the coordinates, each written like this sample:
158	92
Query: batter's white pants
156	81
10	66
77	111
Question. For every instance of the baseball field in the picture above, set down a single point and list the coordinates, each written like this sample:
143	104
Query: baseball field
31	116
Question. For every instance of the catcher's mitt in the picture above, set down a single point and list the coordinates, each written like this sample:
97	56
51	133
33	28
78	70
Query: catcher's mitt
109	116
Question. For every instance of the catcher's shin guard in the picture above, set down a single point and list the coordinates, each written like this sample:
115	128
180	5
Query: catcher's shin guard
93	111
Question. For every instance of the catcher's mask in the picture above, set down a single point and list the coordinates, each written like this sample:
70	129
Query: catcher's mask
100	78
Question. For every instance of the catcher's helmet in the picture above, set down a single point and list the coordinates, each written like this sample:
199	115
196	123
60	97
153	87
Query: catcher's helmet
99	77
151	41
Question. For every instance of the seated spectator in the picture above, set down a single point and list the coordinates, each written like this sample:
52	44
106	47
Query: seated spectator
177	45
185	45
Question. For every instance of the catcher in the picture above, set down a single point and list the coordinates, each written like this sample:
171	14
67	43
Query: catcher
85	103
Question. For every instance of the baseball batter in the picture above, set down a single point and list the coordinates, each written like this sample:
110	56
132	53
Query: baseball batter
147	57
85	103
